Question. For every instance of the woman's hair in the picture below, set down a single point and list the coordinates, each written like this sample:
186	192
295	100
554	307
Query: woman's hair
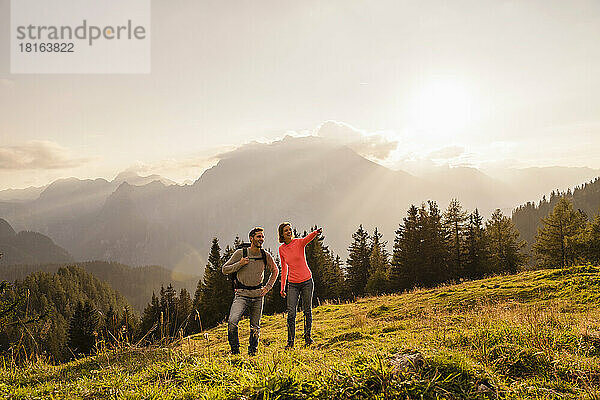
281	227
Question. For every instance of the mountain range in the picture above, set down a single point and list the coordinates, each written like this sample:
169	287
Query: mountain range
307	181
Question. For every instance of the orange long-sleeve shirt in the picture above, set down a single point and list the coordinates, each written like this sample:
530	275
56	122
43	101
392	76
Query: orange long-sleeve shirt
293	260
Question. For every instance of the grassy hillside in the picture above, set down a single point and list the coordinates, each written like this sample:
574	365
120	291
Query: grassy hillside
535	335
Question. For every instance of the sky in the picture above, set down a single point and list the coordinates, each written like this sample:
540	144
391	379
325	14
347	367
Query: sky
488	84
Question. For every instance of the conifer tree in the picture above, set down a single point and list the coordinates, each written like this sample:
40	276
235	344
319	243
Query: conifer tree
83	328
358	262
551	246
326	274
213	299
111	323
586	244
168	300
433	250
337	274
455	219
406	258
504	244
378	281
150	318
11	304
197	324
184	312
476	248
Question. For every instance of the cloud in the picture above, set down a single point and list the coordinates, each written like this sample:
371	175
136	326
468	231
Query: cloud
422	163
172	164
368	145
447	153
38	154
183	168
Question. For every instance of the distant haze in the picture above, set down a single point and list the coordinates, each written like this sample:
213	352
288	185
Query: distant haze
413	86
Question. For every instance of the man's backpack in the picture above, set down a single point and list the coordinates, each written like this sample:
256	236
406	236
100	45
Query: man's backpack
235	283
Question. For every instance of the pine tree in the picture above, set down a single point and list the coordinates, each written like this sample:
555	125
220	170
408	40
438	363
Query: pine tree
11	304
358	262
83	328
378	281
504	244
586	244
111	322
455	219
169	309
214	296
406	258
551	246
151	319
338	276
196	325
327	276
433	250
184	312
476	262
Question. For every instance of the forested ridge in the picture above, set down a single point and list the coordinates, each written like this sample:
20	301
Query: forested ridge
528	217
51	314
136	284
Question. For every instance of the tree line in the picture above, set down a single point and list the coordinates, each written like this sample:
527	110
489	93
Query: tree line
528	217
433	247
567	237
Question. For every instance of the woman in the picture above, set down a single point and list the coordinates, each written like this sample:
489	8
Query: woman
294	269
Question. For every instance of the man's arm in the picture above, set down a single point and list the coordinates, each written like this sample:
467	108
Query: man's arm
234	264
274	272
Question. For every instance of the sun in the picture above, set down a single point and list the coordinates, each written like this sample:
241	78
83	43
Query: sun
442	108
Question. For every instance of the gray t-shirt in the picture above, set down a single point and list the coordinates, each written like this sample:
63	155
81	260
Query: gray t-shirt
251	274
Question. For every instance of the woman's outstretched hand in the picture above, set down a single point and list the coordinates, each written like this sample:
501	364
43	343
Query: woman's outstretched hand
320	230
282	293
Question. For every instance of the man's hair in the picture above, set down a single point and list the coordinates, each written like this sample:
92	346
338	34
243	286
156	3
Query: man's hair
254	231
281	228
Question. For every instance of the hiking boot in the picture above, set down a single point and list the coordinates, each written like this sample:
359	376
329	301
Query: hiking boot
289	346
308	342
235	352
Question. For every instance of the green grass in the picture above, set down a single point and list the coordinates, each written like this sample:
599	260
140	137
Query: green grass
535	335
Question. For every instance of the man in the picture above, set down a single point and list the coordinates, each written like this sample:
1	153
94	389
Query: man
249	291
